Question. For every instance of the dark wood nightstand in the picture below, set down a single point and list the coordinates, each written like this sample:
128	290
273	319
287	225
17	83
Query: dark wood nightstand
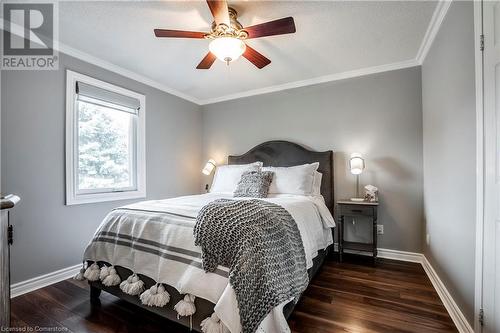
357	209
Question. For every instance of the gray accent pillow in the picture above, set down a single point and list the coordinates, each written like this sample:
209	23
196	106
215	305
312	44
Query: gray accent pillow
254	184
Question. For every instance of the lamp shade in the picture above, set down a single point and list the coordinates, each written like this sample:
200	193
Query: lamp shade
227	49
209	167
356	164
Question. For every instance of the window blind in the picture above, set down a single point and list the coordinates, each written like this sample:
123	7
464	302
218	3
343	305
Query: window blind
99	96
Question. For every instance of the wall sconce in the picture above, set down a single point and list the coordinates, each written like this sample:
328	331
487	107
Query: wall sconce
208	169
356	165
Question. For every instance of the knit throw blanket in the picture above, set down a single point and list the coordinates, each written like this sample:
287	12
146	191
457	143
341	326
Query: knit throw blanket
260	243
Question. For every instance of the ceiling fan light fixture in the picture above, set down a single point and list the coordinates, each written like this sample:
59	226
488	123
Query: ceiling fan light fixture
227	49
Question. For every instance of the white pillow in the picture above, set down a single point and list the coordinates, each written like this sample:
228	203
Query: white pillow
226	177
292	180
317	177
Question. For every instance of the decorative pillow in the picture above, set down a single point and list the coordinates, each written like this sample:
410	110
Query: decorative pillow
226	177
293	180
254	184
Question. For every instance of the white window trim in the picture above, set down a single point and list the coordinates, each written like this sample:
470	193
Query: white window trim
72	198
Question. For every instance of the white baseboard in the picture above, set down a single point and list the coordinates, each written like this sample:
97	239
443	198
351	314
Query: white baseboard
389	254
456	315
451	306
41	281
400	255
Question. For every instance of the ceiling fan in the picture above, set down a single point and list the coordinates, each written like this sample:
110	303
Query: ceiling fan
227	36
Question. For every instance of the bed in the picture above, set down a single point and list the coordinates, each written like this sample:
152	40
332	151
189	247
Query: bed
212	290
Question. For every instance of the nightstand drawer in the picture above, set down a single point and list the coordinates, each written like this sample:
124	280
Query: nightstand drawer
356	210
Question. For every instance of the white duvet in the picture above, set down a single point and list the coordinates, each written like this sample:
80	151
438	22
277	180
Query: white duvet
175	230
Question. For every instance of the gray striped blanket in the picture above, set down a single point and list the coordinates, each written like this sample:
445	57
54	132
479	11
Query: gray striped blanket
158	243
261	244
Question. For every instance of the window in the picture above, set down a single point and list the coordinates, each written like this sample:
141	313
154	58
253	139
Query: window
105	153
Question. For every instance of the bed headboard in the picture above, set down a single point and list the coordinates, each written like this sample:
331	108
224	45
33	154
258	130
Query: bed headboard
285	154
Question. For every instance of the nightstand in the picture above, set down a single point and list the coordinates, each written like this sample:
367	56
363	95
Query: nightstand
366	209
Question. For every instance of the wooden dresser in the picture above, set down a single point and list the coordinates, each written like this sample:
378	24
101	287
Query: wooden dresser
6	204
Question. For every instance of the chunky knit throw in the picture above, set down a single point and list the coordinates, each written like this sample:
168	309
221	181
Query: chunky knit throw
260	243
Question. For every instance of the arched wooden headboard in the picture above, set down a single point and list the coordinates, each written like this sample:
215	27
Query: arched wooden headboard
284	154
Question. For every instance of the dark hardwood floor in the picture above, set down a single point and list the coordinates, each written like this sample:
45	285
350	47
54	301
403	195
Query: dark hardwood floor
391	297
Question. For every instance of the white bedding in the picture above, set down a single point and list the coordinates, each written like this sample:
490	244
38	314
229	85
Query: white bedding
310	213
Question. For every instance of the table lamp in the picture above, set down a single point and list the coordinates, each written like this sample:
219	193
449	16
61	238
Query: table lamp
356	165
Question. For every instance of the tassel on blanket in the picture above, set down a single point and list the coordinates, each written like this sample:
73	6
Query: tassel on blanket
212	324
155	296
79	276
132	285
92	272
112	279
104	272
186	307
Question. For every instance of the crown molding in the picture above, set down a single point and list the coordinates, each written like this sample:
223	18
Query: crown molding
314	81
432	30
290	85
68	50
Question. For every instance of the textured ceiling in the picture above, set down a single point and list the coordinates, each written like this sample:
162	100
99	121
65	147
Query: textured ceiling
332	37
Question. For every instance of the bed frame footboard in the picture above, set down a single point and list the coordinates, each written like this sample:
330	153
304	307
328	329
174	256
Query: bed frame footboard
204	308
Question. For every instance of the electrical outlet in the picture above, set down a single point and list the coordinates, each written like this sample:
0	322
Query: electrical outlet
428	239
380	229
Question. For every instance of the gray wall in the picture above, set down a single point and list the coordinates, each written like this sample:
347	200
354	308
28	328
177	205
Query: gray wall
49	235
449	154
379	116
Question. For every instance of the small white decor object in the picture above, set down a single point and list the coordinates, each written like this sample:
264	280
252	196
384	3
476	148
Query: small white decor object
212	324
132	285
371	193
92	272
112	279
155	296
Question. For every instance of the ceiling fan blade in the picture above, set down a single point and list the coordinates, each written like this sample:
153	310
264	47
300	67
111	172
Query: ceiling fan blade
277	27
256	58
220	11
178	33
207	62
